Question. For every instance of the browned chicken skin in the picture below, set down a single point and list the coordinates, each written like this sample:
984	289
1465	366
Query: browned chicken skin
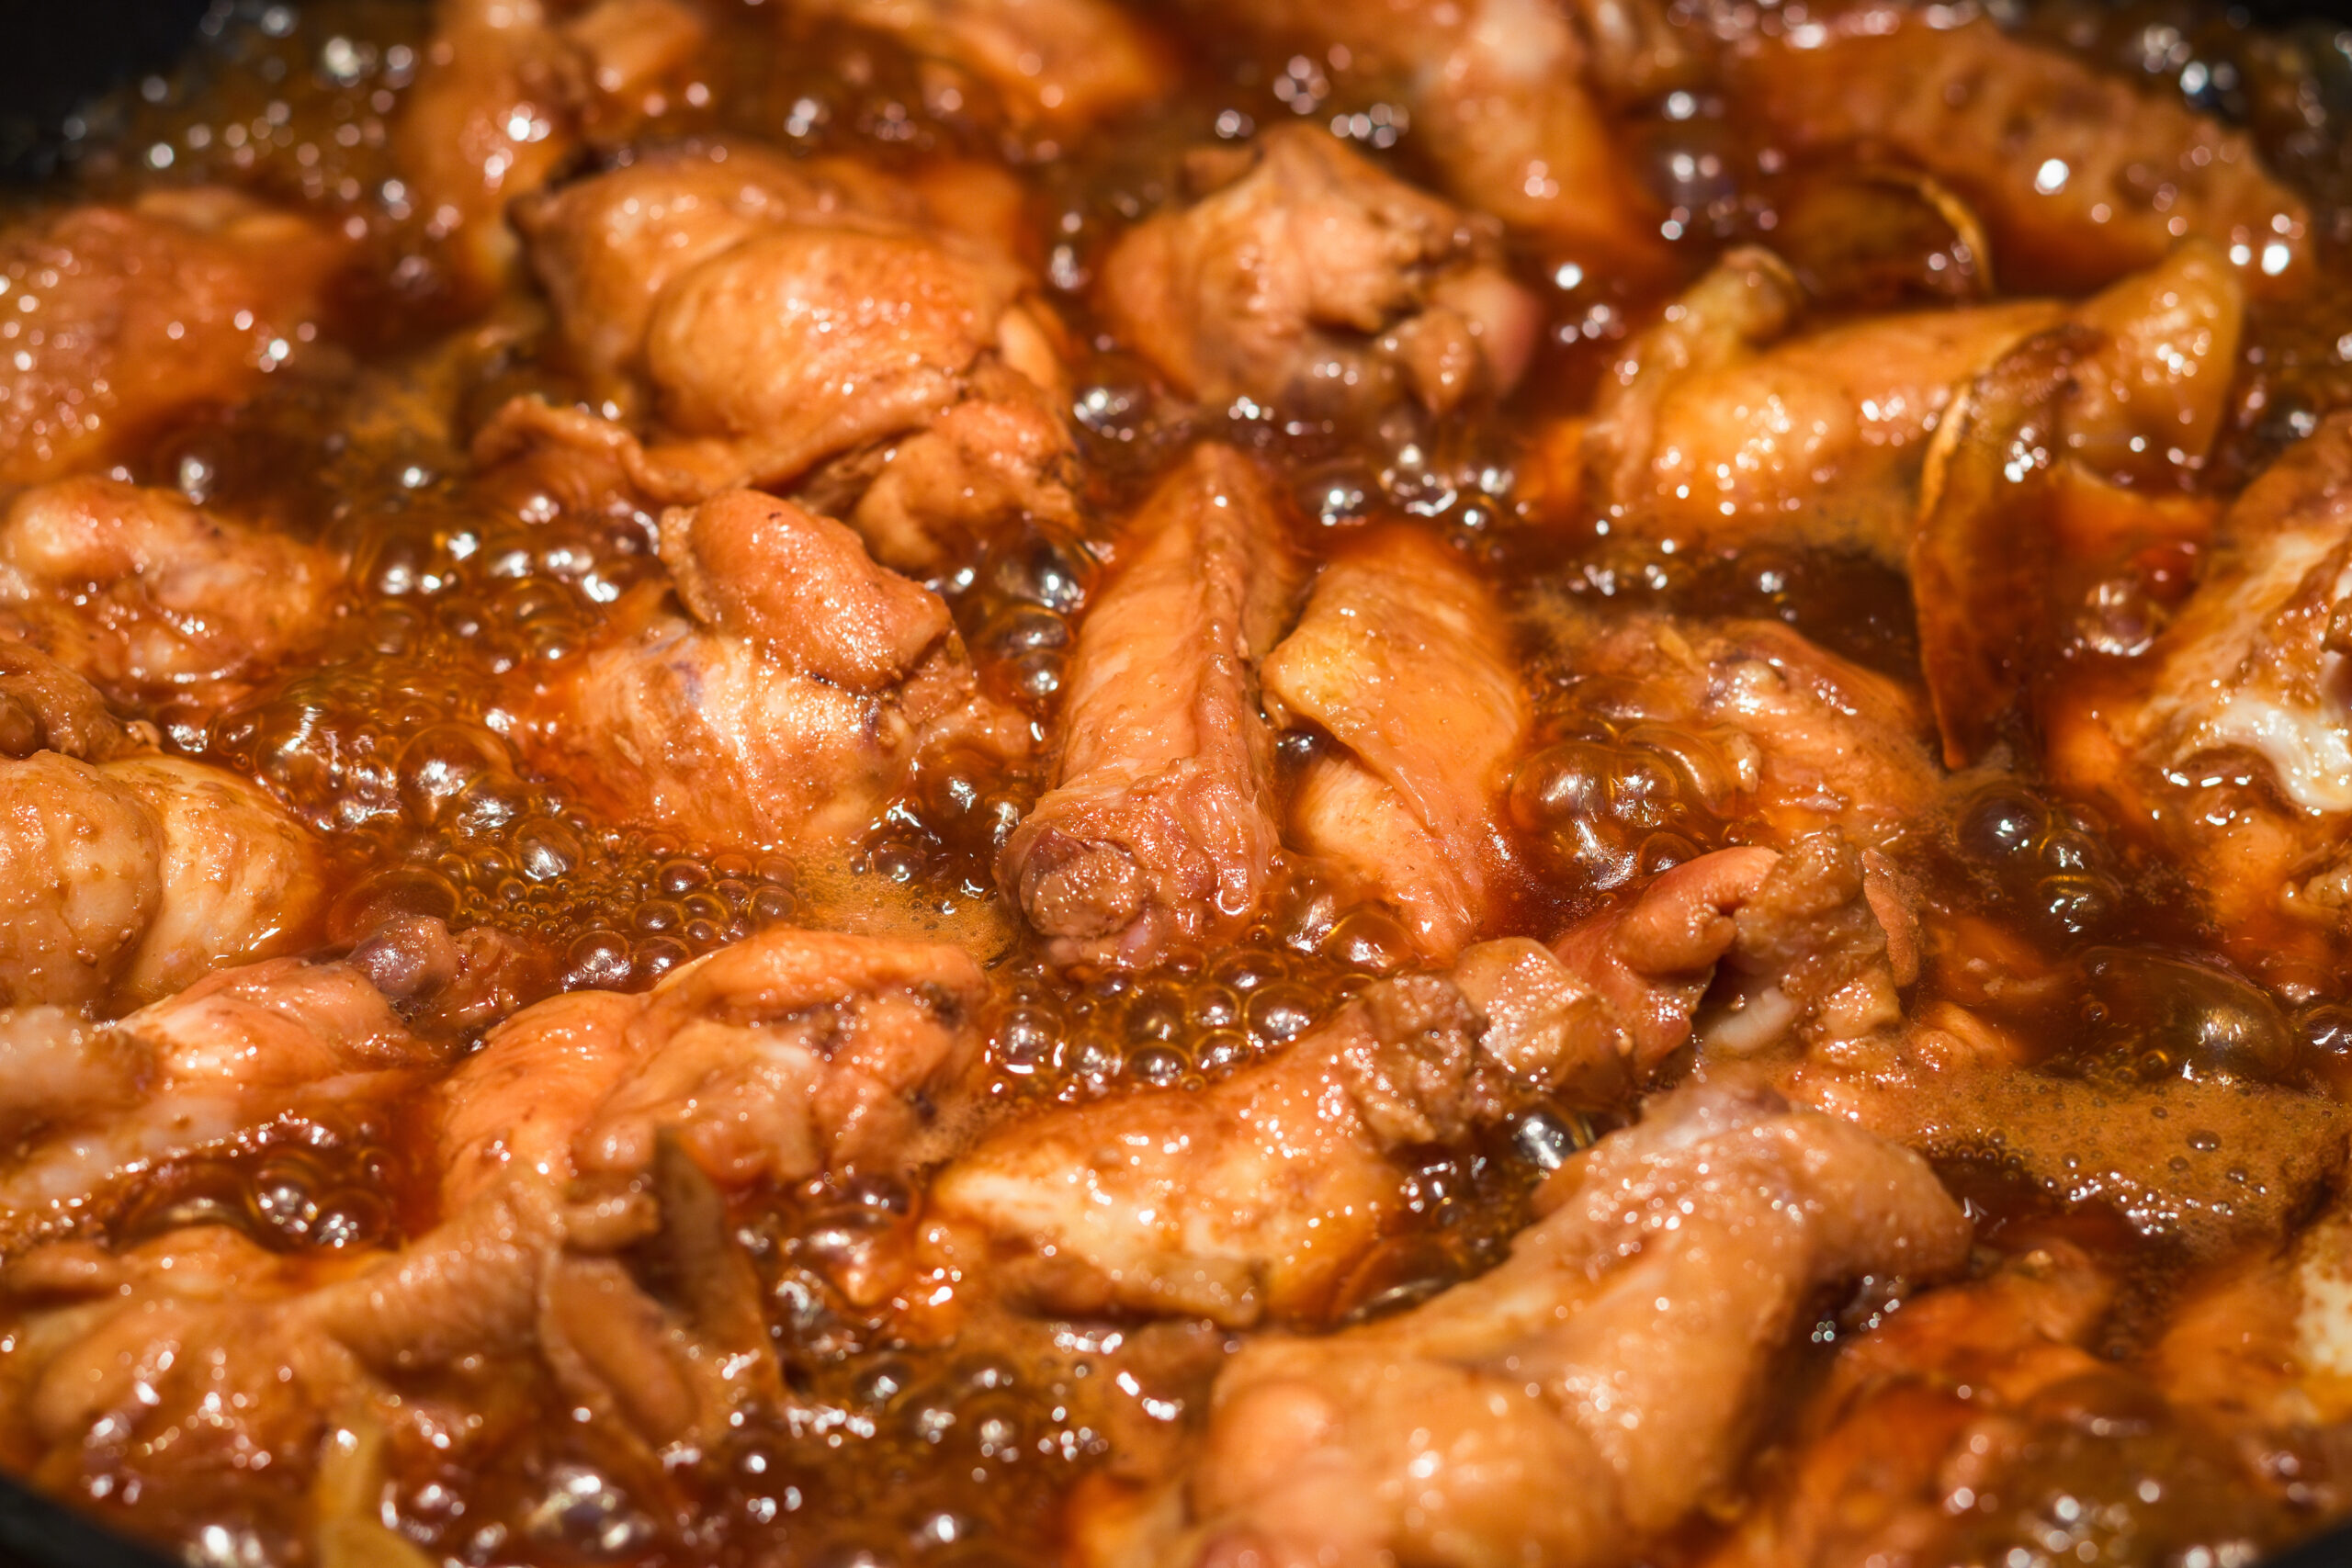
123	317
1582	1397
813	326
1064	62
1401	657
130	874
1252	1198
1500	89
2080	177
1719	426
2234	753
786	706
1305	277
1159	825
146	595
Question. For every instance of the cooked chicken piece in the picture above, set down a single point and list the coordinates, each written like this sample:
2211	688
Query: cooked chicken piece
2080	177
506	95
1159	827
131	879
1254	1196
791	1053
514	1107
1932	1407
1586	1396
1717	426
1066	62
1402	656
82	876
786	1054
44	707
607	248
144	595
805	325
1499	90
1816	741
90	1106
450	984
2234	752
2264	1347
786	706
122	318
1304	276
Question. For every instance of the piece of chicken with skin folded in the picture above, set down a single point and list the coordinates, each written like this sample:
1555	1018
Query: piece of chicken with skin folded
1159	825
2081	176
1403	658
134	315
147	597
1059	63
811	328
1579	1401
2227	744
1253	1197
1501	95
1720	425
507	93
129	875
1801	738
1305	277
89	1107
590	1130
788	702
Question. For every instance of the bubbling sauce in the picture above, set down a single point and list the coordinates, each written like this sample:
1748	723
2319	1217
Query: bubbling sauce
396	740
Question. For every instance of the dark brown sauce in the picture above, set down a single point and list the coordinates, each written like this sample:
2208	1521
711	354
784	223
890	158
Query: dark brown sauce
387	741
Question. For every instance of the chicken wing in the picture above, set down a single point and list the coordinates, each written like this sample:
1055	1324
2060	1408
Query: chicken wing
1584	1397
1159	824
2080	177
813	327
2233	750
1402	656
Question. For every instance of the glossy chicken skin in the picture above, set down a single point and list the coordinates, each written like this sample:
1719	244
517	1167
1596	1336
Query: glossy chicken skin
1252	1198
508	92
1718	425
123	318
1160	826
1583	1397
1503	92
1305	277
147	595
786	1054
787	705
812	327
1402	656
130	874
1061	62
90	1106
2228	745
1823	742
2080	177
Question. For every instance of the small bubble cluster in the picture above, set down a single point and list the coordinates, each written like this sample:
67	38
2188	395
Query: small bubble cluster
1176	1026
1609	803
2044	862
